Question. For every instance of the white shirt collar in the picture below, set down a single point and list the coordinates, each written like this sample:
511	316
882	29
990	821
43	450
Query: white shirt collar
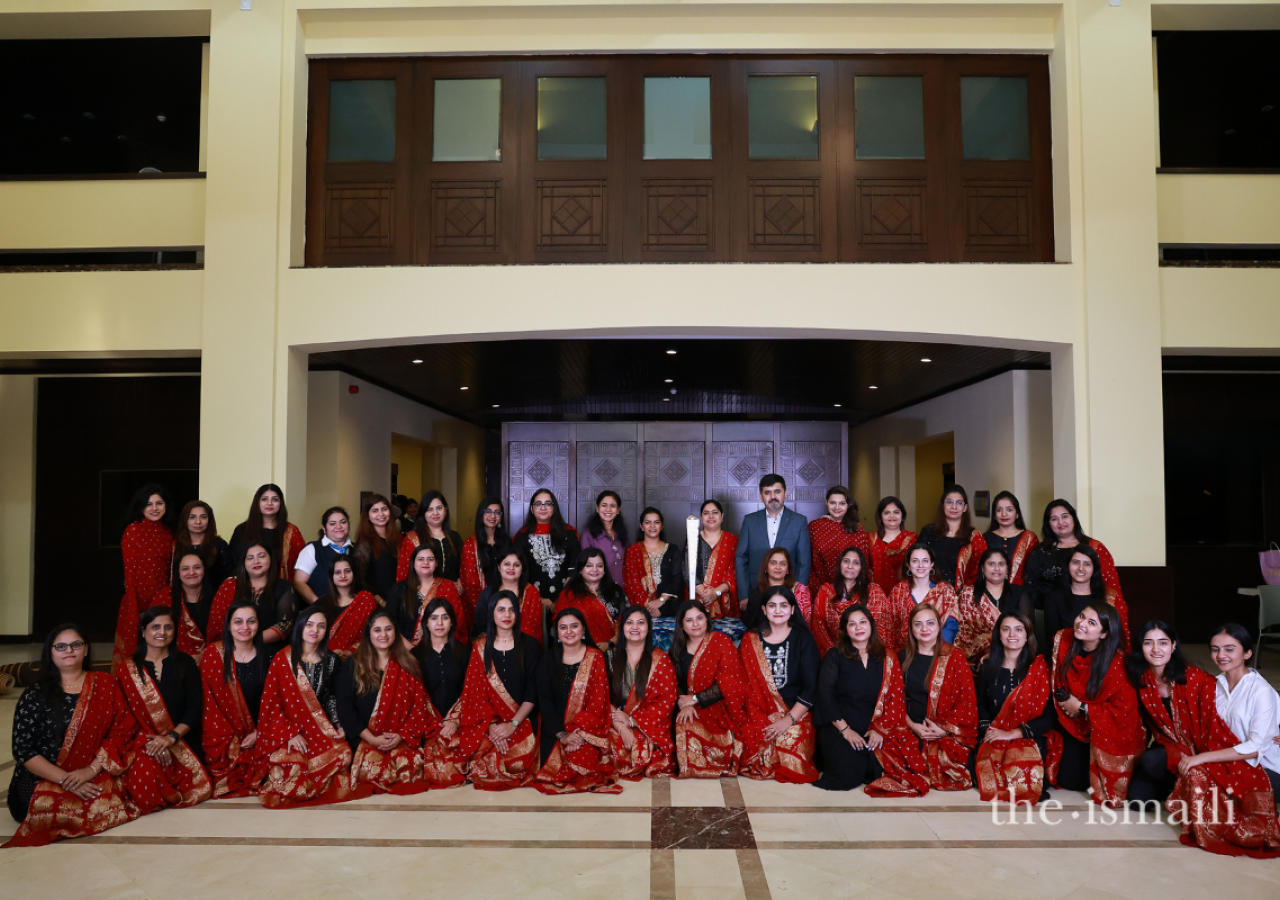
325	542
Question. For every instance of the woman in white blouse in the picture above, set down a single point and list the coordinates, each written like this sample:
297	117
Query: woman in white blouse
1249	706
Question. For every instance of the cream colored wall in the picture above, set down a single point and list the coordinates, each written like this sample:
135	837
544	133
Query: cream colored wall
17	500
1219	209
930	457
408	456
64	215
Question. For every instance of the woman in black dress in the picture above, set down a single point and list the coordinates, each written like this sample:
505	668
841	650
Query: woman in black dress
377	547
443	660
849	684
549	544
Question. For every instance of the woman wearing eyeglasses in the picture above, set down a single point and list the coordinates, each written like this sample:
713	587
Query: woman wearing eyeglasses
479	552
550	545
955	543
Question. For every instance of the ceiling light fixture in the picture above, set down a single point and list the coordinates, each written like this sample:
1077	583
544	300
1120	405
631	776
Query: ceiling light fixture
464	388
666	399
671	353
925	359
417	362
667	380
873	387
495	406
837	406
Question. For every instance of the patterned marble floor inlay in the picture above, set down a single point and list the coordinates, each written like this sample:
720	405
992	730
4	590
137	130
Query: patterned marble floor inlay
701	828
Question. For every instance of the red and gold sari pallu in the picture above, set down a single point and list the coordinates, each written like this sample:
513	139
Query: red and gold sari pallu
599	623
788	759
152	785
187	636
652	753
226	722
827	541
953	707
345	633
977	616
1012	771
471	576
886	558
101	731
941	597
590	767
1113	728
967	560
722	569
1226	807
485	700
322	774
147	551
445	590
1018	562
710	746
905	768
402	708
827	610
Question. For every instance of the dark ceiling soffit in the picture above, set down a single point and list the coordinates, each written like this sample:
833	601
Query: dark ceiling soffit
924	398
399	392
172	365
1172	364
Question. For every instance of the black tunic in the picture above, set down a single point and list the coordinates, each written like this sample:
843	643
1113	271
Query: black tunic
541	561
322	676
37	731
555	683
994	687
945	551
448	554
1046	567
181	690
278	611
520	681
442	673
219	570
1062	606
847	690
239	544
354	709
252	678
1005	545
404	609
915	678
379	574
794	664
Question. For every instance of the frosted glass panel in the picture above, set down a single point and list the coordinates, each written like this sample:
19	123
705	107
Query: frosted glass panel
677	118
572	118
993	110
468	119
362	121
890	116
782	116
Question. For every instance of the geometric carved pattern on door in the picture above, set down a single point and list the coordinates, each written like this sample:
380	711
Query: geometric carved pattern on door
784	214
572	214
737	466
891	212
359	216
810	467
677	213
674	471
464	215
997	214
533	466
606	465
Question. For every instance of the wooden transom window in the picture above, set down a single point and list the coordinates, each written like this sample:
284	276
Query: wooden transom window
679	159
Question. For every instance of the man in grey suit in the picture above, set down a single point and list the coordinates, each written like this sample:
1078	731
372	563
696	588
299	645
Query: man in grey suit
764	529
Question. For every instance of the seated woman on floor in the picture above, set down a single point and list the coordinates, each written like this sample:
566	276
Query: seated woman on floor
1246	702
1224	803
498	697
780	660
573	702
1098	718
643	691
852	584
233	672
862	721
1015	717
942	711
309	757
710	715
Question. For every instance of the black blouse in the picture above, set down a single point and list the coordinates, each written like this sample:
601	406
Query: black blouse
448	555
1046	567
521	682
278	611
236	549
674	570
794	664
1003	544
442	673
1062	606
994	687
252	679
404	609
199	611
555	683
37	731
848	690
354	709
379	574
916	680
945	551
181	689
708	697
221	568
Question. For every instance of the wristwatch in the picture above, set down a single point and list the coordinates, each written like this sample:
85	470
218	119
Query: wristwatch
719	593
176	737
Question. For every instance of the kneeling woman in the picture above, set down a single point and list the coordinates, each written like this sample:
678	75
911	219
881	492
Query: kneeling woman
1102	734
498	697
941	708
573	698
1015	717
162	687
71	733
862	722
712	699
1224	801
780	660
644	697
310	759
346	606
444	661
233	672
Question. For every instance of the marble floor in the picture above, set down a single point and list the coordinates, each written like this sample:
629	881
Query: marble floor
730	839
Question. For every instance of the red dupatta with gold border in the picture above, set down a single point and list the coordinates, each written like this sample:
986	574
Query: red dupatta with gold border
953	707
1013	770
346	631
485	700
183	782
905	768
967	559
589	769
401	708
721	569
709	746
226	721
600	624
977	616
1021	550
789	759
651	753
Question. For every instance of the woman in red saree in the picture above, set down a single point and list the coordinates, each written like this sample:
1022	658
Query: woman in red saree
715	574
777	569
147	548
780	660
1010	535
711	708
573	700
498	697
831	535
71	737
592	592
162	687
1224	804
653	571
942	709
256	582
643	689
1046	565
923	585
268	523
409	599
851	584
889	544
190	599
981	604
511	573
347	607
233	672
478	559
1097	708
310	762
1015	718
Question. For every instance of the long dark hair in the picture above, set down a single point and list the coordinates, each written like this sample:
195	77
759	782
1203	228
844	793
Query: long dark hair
556	650
965	530
578	585
1017	508
875	646
491	633
595	527
135	511
368	544
364	661
619	657
253	524
229	643
49	679
1097	588
982	561
456	647
244	590
995	661
495	576
851	519
329	604
1136	665
146	618
678	637
1048	538
861	584
208	548
501	537
559	530
177	595
424	531
662	531
796	621
296	642
1108	647
882	506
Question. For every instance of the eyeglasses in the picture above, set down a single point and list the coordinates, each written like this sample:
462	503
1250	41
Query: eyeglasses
74	645
543	504
956	503
494	512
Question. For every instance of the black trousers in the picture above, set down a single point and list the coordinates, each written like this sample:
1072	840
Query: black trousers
1152	780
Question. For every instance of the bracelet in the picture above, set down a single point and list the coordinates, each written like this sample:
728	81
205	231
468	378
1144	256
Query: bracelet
843	730
792	718
176	737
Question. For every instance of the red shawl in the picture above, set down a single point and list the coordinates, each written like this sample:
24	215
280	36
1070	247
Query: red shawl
1018	562
941	596
445	590
291	545
905	768
484	701
236	772
1111	578
709	746
411	542
187	635
789	759
827	610
887	558
290	707
827	541
637	575
651	753
1013	770
345	633
721	569
531	612
967	559
147	548
599	622
472	576
953	707
590	767
101	731
977	619
222	601
1113	728
402	708
1225	807
183	782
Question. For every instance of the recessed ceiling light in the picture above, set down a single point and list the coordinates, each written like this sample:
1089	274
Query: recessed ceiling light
671	353
666	399
667	380
495	406
417	362
464	388
873	387
837	406
925	359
